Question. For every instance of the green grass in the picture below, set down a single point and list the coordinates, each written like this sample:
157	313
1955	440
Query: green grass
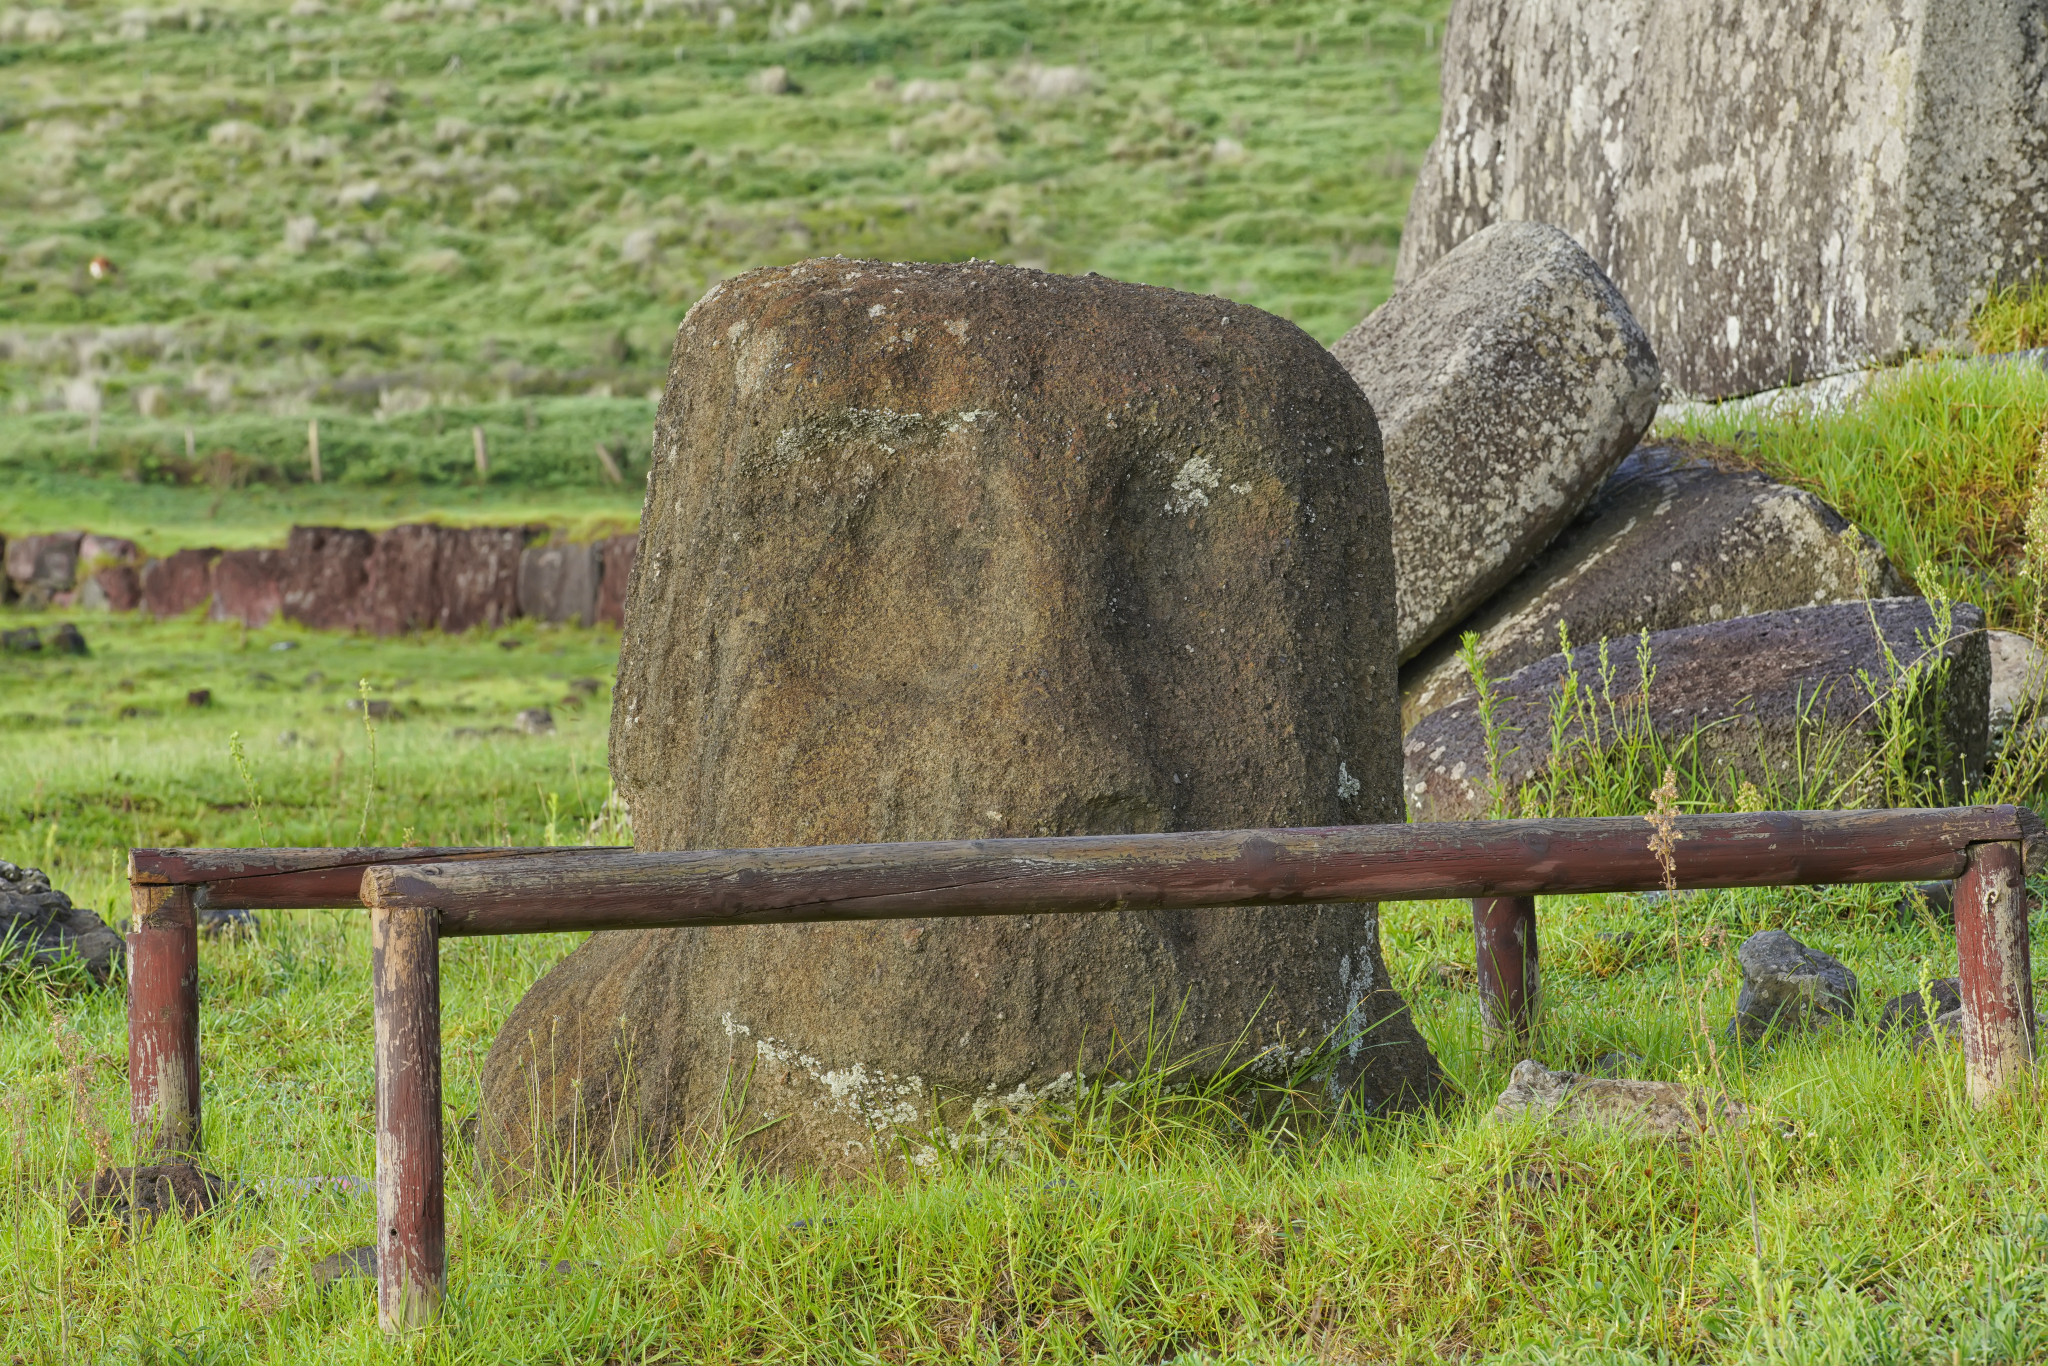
1883	1203
1940	462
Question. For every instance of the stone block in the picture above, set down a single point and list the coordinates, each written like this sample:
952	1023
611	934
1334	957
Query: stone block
559	583
326	572
1785	700
178	583
617	575
1780	191
248	586
1676	537
1508	380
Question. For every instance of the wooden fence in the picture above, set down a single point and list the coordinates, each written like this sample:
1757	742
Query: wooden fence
417	897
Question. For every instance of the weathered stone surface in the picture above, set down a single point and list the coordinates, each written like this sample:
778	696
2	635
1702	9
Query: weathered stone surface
1676	537
1770	697
40	567
178	583
115	588
101	552
248	586
963	550
2019	682
1660	1110
1508	380
618	574
67	639
1779	192
1788	988
560	582
326	569
39	926
1912	1010
422	577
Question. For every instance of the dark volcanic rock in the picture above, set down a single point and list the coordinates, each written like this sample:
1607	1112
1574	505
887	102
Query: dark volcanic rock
1508	380
1770	697
326	570
23	640
39	927
67	639
423	577
1788	988
1909	1009
248	586
946	551
145	1193
560	582
178	583
1676	538
618	574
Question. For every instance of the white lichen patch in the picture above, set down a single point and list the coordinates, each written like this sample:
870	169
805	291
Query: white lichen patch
1191	485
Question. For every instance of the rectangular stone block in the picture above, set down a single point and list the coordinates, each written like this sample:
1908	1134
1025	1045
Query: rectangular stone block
178	583
326	571
619	552
559	583
248	586
422	577
1780	191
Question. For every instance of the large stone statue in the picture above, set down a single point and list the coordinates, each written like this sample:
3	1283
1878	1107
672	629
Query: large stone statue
951	551
1780	190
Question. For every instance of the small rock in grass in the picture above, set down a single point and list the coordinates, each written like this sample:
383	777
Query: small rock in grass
287	739
67	640
1788	988
1661	1110
1456	976
588	687
1945	1028
199	697
25	641
229	923
537	721
39	927
1910	1009
377	707
510	643
282	645
1939	899
341	1266
263	1264
143	1193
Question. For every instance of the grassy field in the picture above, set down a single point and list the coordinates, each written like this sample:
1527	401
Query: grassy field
1884	1210
449	212
413	220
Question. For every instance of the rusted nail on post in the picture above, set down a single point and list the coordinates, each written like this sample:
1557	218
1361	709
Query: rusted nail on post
163	1020
412	1260
1996	969
1510	988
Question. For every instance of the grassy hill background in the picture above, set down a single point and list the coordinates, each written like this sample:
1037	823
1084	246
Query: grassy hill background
411	219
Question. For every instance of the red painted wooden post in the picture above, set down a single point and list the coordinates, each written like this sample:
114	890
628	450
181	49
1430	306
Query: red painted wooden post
1997	974
163	1020
412	1259
1510	987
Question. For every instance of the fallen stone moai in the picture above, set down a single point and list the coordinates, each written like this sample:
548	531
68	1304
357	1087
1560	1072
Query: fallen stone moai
1676	538
1508	380
946	551
1780	193
1775	698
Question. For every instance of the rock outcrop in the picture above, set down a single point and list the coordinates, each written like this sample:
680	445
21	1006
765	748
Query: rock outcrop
326	569
1779	192
946	551
1677	537
1509	379
560	582
248	586
422	577
1778	699
178	583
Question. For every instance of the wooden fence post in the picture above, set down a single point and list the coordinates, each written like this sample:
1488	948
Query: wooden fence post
163	1020
412	1259
1996	969
1510	986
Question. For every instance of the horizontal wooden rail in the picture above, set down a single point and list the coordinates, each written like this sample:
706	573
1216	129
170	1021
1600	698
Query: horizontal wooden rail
297	879
419	896
623	890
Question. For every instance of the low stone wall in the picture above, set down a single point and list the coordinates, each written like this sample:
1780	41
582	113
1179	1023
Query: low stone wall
417	576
